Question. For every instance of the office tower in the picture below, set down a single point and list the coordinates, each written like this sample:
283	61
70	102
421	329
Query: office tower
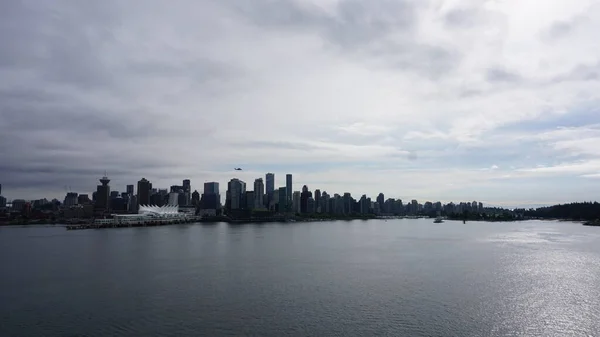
187	187
283	200
365	204
304	199
70	199
259	193
236	192
173	199
83	199
288	186
103	194
195	198
250	200
211	199
2	202
130	189
347	202
270	185
296	202
143	192
0	189
381	202
317	198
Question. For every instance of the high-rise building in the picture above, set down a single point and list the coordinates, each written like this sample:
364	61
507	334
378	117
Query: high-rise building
187	187
250	200
103	195
381	202
259	193
143	192
283	200
211	199
236	192
195	198
347	203
289	187
317	200
304	195
296	202
83	199
2	202
70	199
269	184
173	199
130	189
0	189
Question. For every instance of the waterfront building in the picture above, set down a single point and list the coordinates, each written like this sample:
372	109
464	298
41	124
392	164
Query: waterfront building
103	195
129	189
269	187
365	204
236	192
250	200
310	205
2	202
211	199
70	199
317	200
304	195
289	188
259	193
143	192
283	199
173	199
347	202
296	202
18	205
195	198
381	202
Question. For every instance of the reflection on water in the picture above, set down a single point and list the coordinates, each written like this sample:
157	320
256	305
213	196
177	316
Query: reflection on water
360	278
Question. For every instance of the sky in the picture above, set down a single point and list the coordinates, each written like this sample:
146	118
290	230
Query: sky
450	100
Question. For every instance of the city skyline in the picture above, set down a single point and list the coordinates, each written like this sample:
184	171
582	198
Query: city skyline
432	99
280	180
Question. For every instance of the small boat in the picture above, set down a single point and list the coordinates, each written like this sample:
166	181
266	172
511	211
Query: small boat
438	220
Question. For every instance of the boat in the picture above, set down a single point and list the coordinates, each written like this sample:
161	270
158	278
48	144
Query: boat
438	220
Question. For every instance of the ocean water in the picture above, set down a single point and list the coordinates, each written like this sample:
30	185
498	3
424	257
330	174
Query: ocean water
356	278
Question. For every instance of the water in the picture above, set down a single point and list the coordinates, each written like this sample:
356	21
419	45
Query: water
359	278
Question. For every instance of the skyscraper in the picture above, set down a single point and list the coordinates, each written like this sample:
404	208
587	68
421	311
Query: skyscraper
103	194
283	200
381	202
211	199
317	200
288	186
130	189
195	198
259	193
187	187
236	192
304	199
143	192
270	185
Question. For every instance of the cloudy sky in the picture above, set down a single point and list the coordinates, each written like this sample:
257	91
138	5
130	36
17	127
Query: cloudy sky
431	99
